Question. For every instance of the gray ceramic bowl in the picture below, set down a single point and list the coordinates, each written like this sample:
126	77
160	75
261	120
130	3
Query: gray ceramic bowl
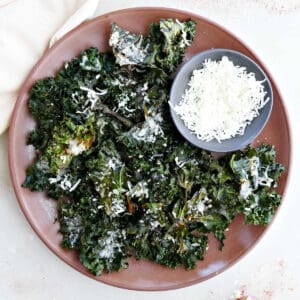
180	84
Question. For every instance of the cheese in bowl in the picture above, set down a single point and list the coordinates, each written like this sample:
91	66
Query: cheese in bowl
220	100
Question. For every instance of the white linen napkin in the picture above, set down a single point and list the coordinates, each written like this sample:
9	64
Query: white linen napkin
27	28
84	12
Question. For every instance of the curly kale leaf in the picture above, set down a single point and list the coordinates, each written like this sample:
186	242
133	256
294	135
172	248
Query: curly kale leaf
53	99
171	39
257	171
108	176
168	243
163	48
68	140
103	249
100	242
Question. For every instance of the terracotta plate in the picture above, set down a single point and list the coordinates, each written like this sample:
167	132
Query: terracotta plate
40	211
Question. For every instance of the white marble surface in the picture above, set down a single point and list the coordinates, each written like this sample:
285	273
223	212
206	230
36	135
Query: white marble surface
28	270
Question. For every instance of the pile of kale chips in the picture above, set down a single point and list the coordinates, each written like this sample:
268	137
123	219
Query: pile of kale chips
126	182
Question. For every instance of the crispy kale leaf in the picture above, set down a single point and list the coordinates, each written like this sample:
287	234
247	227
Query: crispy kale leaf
162	49
257	172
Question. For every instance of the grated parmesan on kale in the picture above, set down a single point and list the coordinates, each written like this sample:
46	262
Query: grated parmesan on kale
125	180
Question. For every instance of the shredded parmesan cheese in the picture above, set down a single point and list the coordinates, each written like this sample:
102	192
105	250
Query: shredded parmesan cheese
150	129
221	100
110	245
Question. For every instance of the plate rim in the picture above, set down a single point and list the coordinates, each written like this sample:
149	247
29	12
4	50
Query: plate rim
12	167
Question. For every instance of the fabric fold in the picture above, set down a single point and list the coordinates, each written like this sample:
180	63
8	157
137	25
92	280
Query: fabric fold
84	12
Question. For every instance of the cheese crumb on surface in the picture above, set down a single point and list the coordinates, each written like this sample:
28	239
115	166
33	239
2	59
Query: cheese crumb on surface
76	147
110	246
221	100
139	190
150	129
64	182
